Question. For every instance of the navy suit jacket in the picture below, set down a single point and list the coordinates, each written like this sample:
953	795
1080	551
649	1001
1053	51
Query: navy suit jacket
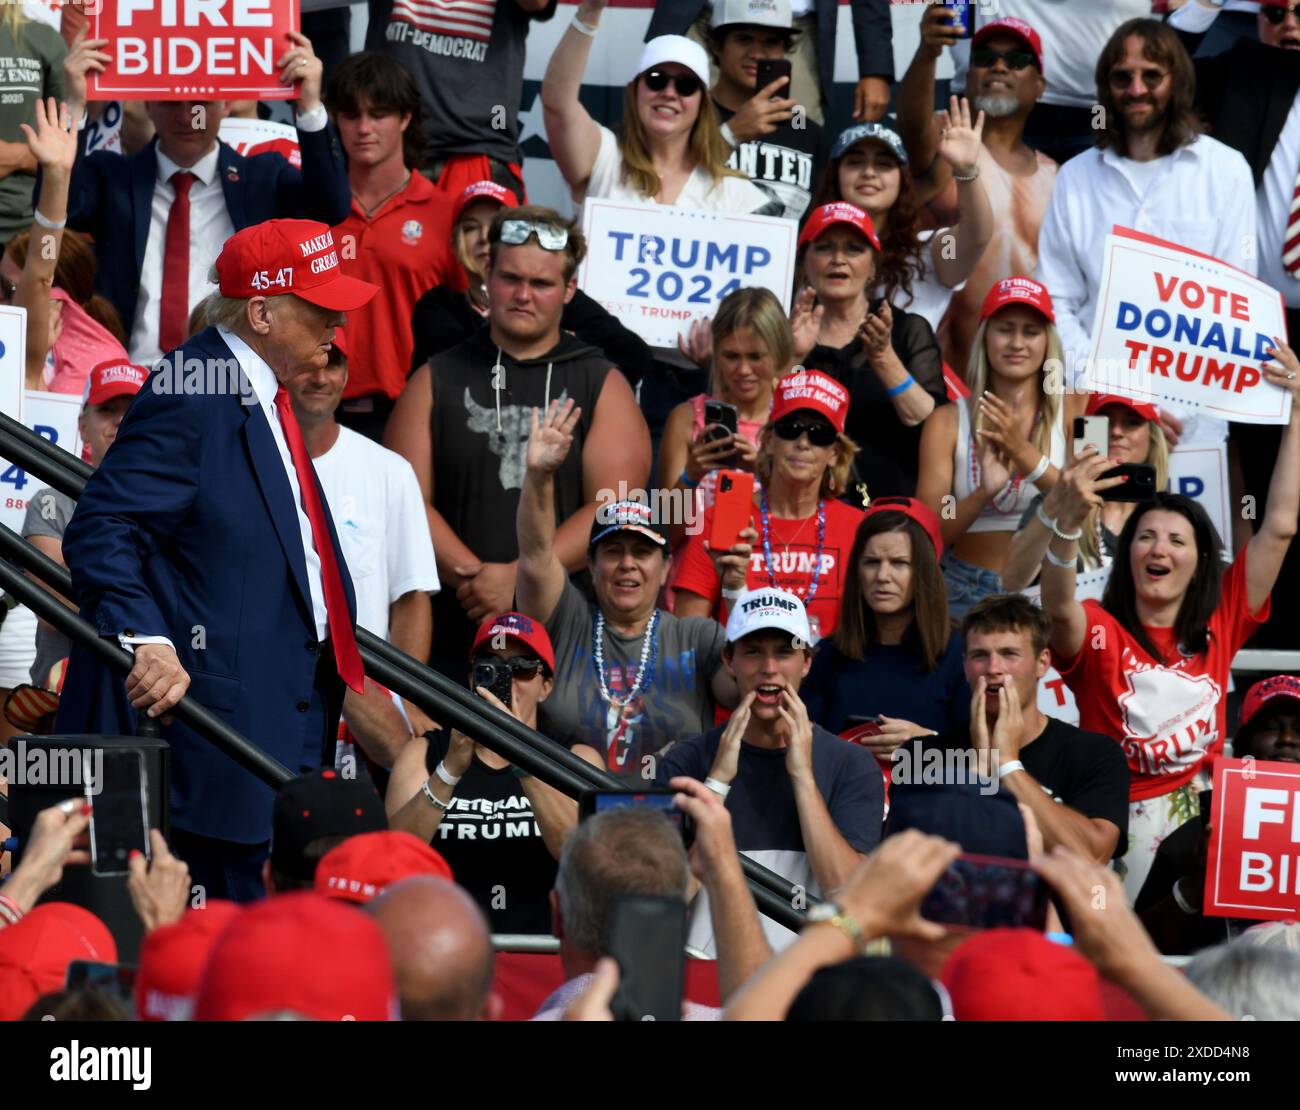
110	197
188	530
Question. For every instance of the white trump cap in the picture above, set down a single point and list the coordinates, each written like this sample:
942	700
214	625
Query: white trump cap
754	13
767	608
675	48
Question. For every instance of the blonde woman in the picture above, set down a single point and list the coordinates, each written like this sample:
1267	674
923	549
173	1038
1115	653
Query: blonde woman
985	459
670	150
1135	437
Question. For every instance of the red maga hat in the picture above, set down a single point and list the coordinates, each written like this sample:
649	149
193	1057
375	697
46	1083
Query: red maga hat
483	190
1098	401
527	631
910	507
172	959
839	212
1018	290
362	866
1018	28
1020	975
1264	691
115	378
35	953
290	256
811	389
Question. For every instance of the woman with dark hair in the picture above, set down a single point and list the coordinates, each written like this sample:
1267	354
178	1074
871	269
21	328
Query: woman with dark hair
894	657
919	271
1149	664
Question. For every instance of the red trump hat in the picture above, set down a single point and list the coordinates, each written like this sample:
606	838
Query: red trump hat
172	959
839	212
1018	290
35	953
1020	975
518	627
114	378
363	865
811	389
1264	691
289	256
1098	401
915	510
303	954
1016	28
484	190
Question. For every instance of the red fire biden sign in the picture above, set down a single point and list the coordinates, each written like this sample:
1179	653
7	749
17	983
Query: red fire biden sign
1253	868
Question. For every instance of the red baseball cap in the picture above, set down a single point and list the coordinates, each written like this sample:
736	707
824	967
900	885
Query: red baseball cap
1098	401
114	378
1010	25
172	959
527	631
910	507
340	342
811	389
303	953
1018	290
1020	975
484	190
362	866
838	212
290	256
35	953
1264	691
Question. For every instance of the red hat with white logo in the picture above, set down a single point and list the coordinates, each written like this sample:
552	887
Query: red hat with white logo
1264	691
913	509
838	212
527	631
362	866
1018	290
1098	401
172	959
484	190
1018	28
811	389
290	256
114	378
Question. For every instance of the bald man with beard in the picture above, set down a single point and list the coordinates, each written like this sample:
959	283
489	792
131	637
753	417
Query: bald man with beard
441	950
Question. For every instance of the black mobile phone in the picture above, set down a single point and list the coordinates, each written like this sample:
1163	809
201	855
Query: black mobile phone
1141	484
598	801
495	674
768	70
119	819
115	979
720	415
647	937
987	892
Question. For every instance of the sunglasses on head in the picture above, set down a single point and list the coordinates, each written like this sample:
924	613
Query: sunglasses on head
515	233
820	433
1150	78
522	667
1275	14
686	84
986	56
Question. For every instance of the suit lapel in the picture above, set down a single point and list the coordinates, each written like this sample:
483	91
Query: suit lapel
144	175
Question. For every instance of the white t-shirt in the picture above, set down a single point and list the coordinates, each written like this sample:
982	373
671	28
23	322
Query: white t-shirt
731	194
383	529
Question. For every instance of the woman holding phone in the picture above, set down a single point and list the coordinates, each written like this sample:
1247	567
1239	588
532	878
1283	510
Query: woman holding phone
984	459
798	532
1134	435
894	656
1149	664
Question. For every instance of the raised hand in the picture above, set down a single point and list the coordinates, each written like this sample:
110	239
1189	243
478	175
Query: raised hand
86	56
732	565
300	64
1080	487
805	322
726	762
998	425
696	343
54	139
761	114
959	140
552	436
877	333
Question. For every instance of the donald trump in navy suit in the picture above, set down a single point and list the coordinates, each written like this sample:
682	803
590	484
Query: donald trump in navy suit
203	543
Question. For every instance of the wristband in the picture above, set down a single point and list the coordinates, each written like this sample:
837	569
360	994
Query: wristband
685	480
10	910
721	789
1064	564
901	387
582	27
47	223
967	179
1047	522
732	595
1039	470
446	776
1009	766
1069	537
1183	903
444	806
729	136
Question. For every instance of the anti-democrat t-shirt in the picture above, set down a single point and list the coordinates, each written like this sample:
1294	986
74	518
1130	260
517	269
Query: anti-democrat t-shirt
786	163
795	554
31	68
1167	712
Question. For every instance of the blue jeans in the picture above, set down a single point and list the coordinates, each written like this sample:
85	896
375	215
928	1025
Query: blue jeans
966	584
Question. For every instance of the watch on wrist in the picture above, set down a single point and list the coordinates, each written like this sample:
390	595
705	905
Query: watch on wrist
828	913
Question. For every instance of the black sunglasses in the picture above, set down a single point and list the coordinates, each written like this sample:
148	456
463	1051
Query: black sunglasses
1275	15
1150	78
986	56
820	434
522	667
686	84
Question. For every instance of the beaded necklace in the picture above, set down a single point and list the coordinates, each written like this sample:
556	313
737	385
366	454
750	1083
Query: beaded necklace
821	546
645	668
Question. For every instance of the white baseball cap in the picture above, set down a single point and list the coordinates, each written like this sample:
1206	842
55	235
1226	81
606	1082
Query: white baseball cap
675	48
756	13
757	610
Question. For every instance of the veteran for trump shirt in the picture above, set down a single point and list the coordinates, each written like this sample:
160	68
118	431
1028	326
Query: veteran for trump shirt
1167	712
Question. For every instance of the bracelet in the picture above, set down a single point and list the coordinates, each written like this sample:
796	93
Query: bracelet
967	179
1070	537
729	136
446	776
1010	766
721	789
10	910
1047	522
733	595
1039	470
444	806
1181	899
1064	564
582	27
47	223
901	387
685	480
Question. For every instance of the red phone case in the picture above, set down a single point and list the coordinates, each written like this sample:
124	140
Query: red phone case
732	506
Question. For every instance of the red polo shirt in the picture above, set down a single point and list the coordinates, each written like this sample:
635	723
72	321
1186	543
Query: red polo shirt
405	249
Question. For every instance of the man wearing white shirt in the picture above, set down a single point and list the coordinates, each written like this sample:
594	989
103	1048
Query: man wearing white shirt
1152	171
160	217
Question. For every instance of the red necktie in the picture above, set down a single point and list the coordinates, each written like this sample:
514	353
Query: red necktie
351	669
174	304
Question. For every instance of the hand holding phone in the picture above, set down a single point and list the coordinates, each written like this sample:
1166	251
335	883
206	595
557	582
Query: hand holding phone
733	504
647	938
1092	431
119	818
769	70
987	892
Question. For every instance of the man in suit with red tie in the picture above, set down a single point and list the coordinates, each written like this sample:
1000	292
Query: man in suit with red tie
203	544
